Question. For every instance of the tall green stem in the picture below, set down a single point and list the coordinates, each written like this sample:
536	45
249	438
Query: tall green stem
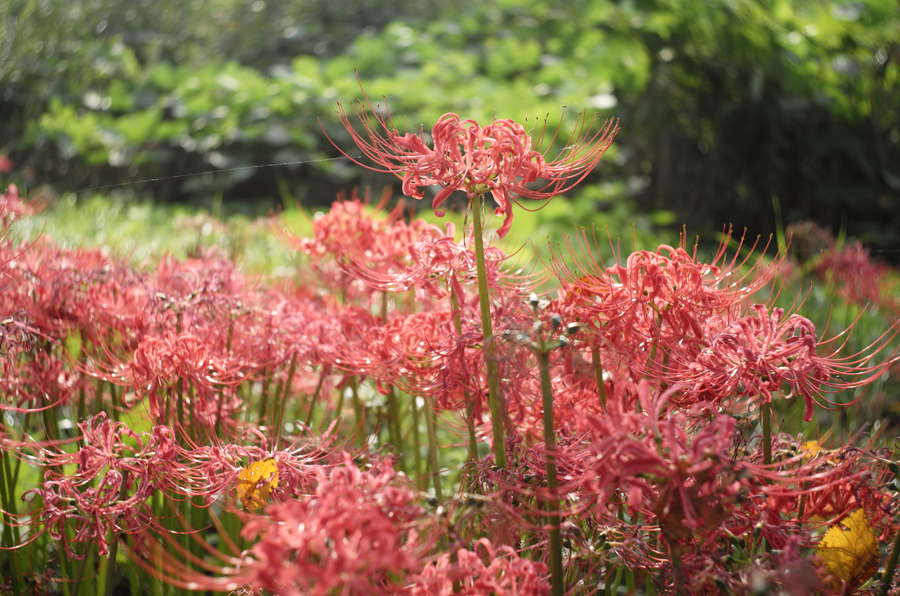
313	400
158	508
362	425
395	425
79	571
417	453
470	409
557	584
281	402
432	449
264	399
10	530
114	547
889	568
487	328
598	375
765	415
82	358
677	569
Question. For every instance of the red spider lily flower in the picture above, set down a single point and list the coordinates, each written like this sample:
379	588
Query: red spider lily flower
212	471
113	445
422	354
106	444
92	514
501	158
162	362
12	206
505	574
849	270
694	483
846	479
784	571
349	243
661	297
212	277
350	537
857	278
36	384
434	264
80	292
348	229
57	287
354	533
760	354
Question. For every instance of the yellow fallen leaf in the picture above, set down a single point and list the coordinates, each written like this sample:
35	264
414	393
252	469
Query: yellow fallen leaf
849	550
255	483
811	449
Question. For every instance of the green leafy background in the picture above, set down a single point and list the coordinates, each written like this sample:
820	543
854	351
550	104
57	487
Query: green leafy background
738	112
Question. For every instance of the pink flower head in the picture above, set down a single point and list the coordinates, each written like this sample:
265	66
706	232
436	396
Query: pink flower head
13	206
761	353
505	574
663	295
93	516
354	535
501	157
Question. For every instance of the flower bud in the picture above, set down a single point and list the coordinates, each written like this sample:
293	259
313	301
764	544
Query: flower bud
555	321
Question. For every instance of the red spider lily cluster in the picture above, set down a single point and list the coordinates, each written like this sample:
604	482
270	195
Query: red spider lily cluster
144	399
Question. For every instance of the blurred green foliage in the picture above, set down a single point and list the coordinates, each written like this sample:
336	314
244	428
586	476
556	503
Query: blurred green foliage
142	232
727	107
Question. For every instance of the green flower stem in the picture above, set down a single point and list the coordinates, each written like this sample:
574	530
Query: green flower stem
338	409
264	398
8	482
272	410
395	424
79	571
82	358
889	568
557	581
677	569
114	399
433	449
159	512
182	512
765	416
598	375
362	425
416	443
10	530
197	515
490	352
281	402
114	547
610	590
470	409
224	533
14	481
312	401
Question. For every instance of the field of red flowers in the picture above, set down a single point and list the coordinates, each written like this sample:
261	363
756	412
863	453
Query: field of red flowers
411	415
